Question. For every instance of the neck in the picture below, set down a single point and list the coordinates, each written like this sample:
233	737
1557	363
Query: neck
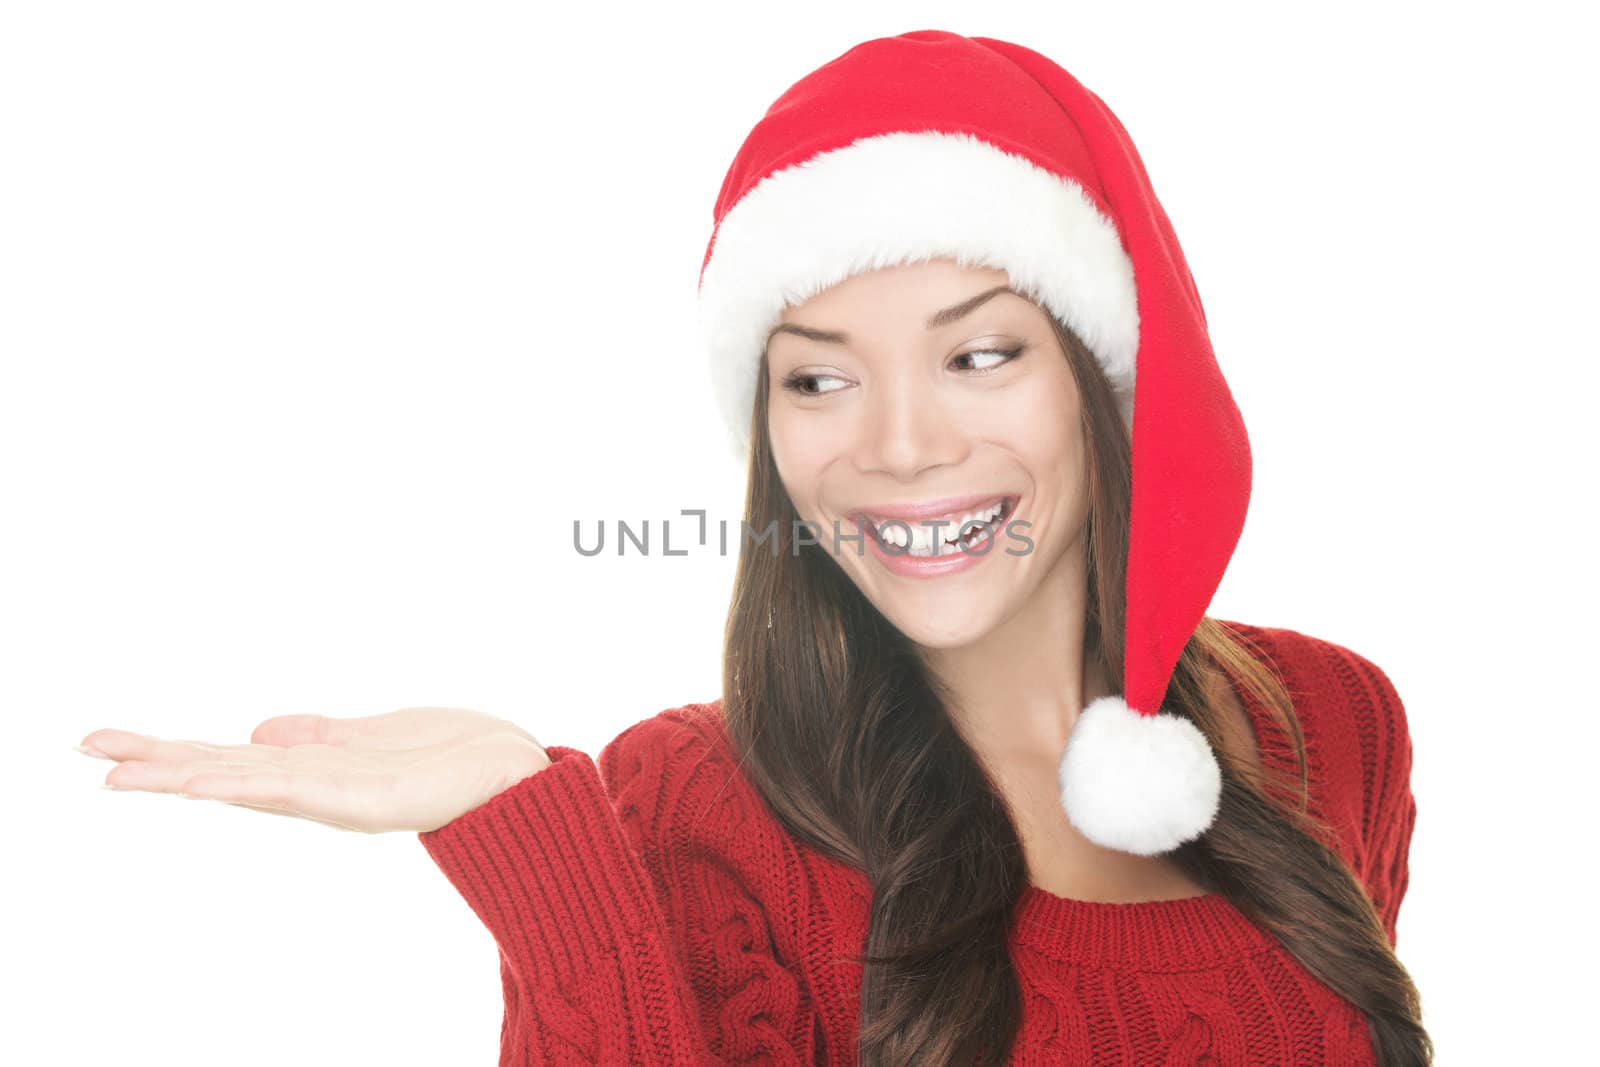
1019	689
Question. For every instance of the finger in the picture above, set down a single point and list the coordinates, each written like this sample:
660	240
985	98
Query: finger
118	744
298	730
125	745
209	781
153	776
171	763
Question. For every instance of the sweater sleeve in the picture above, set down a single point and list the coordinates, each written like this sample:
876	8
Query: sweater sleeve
1388	807
628	924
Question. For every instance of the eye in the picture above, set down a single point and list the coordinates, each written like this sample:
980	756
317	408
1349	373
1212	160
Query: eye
1004	356
806	384
811	384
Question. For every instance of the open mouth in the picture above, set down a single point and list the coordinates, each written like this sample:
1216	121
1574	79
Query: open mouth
943	535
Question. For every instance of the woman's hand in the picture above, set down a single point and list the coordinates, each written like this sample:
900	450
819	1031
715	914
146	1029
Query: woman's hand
413	770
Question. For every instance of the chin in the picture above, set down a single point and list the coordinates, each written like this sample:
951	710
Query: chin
942	641
970	627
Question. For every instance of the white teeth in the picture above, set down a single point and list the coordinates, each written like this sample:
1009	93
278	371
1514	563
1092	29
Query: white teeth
983	515
918	537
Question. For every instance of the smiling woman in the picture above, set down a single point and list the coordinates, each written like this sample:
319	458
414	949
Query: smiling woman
908	407
993	787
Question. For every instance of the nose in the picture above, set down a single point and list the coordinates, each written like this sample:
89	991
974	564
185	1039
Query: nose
907	430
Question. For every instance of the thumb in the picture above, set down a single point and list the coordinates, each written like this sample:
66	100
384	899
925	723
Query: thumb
286	730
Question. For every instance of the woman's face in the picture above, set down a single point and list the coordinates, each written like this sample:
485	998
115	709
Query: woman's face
891	414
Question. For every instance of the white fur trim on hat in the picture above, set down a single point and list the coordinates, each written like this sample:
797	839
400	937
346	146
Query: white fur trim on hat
1138	783
901	198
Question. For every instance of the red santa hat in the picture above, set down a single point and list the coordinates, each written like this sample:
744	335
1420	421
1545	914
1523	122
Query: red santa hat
934	145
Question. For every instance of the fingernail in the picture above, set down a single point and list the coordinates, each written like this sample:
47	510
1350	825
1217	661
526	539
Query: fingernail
90	750
109	785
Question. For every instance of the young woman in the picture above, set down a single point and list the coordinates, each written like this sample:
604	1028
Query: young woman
985	784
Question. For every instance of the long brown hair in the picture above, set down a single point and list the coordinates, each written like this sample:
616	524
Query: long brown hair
845	734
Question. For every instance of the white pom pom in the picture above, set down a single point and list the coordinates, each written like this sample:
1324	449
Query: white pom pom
1138	783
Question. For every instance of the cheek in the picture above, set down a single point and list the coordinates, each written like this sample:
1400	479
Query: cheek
805	437
798	456
781	440
1039	420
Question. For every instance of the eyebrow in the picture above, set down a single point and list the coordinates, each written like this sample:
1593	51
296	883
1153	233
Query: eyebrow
939	318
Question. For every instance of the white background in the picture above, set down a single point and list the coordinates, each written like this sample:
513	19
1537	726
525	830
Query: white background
322	322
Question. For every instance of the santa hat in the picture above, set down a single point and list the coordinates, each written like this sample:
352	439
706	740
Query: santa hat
931	144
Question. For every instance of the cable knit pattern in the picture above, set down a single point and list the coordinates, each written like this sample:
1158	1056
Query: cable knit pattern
649	910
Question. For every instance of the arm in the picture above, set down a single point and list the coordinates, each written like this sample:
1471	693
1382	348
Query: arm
599	884
1395	813
1388	809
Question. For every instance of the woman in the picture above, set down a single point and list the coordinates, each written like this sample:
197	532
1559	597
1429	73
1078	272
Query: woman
986	784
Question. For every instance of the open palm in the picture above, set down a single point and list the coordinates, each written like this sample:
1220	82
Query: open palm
409	770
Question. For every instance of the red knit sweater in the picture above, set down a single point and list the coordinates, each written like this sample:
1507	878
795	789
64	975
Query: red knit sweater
649	910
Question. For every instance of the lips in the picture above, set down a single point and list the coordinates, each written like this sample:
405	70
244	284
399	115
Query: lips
947	508
944	507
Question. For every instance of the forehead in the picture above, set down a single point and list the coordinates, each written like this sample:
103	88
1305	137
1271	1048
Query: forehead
934	284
